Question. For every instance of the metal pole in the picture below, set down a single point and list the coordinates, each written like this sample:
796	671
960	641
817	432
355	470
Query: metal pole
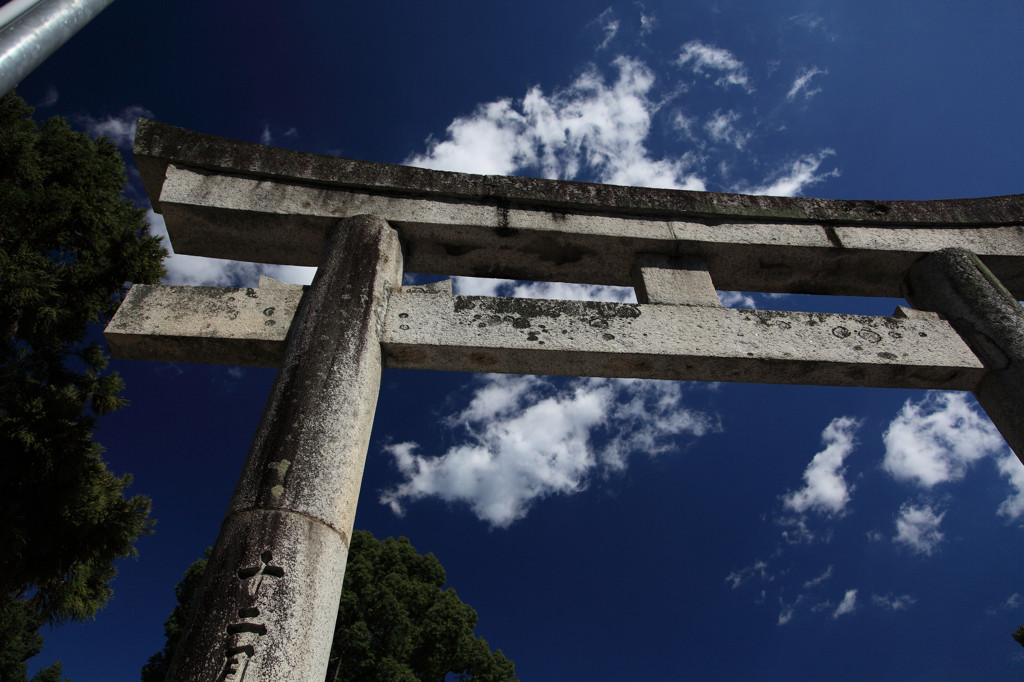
957	285
269	599
28	40
14	9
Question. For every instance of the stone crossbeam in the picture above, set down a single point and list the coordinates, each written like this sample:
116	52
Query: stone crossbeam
228	199
428	328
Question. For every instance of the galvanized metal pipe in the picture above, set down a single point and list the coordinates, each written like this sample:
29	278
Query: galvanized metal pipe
26	42
14	9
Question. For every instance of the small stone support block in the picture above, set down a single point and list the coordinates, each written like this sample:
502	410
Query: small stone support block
681	280
957	285
266	610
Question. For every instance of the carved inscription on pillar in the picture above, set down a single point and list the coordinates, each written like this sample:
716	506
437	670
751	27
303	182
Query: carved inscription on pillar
245	632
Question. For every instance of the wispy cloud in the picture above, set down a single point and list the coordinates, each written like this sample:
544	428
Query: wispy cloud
814	582
847	605
801	84
721	127
609	25
528	438
741	576
892	602
938	438
714	62
794	177
825	489
917	527
50	98
120	128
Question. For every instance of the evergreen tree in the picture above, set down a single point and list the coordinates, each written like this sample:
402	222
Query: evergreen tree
69	241
395	623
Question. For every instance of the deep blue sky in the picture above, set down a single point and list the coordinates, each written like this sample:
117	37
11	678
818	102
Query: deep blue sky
740	531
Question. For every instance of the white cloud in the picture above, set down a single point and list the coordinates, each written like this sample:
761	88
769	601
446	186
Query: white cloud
736	299
562	291
591	127
196	271
795	176
721	127
917	527
937	439
1011	467
265	136
120	128
825	490
610	26
50	98
758	569
527	438
648	22
847	605
893	602
814	582
802	83
703	58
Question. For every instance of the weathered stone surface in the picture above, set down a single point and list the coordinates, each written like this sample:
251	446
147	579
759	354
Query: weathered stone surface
677	281
251	218
956	284
273	592
268	606
218	325
577	338
912	349
159	144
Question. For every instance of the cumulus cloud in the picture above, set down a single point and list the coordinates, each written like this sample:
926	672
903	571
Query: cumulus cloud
825	489
120	128
847	605
802	83
710	61
795	176
592	128
917	527
938	438
528	438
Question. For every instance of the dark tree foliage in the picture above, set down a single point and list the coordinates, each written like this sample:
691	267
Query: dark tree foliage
1018	635
69	241
396	623
155	669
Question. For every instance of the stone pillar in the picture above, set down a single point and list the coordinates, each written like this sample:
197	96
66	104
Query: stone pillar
269	601
957	285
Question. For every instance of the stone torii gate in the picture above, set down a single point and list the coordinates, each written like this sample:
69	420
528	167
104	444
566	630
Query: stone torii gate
268	604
